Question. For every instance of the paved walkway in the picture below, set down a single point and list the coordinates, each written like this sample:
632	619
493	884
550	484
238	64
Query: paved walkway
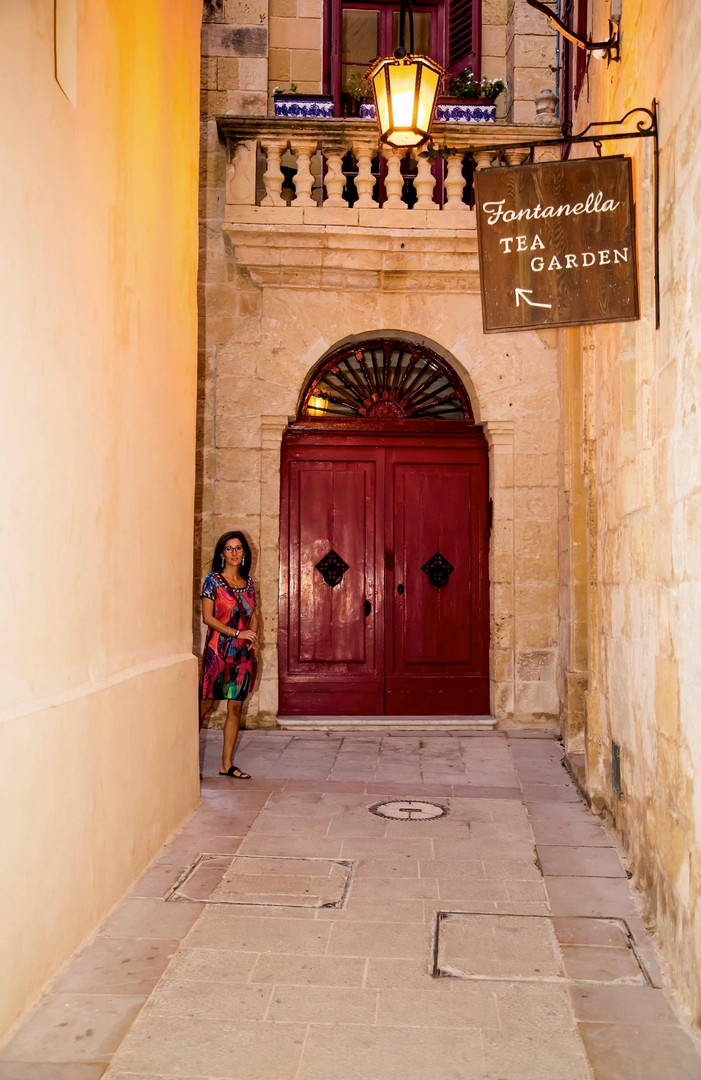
295	930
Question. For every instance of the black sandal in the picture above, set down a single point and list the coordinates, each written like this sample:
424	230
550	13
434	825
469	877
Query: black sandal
235	773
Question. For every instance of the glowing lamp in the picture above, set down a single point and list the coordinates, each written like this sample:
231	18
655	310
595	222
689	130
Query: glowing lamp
405	90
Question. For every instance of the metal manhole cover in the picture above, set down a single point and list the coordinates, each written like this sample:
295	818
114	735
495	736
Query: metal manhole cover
408	810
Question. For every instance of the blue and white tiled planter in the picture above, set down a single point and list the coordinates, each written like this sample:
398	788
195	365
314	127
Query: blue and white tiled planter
450	112
304	106
463	113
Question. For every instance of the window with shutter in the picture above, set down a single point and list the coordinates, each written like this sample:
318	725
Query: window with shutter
357	31
464	33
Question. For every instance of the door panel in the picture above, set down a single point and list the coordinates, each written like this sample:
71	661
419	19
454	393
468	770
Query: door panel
431	502
333	511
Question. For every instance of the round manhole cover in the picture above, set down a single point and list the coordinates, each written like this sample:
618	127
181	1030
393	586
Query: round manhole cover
408	810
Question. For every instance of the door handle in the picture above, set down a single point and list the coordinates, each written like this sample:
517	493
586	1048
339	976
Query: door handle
400	590
368	608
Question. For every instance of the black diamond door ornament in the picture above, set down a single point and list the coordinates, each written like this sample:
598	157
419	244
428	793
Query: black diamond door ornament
332	568
438	570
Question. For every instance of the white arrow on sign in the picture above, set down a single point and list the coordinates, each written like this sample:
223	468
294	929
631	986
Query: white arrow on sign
521	295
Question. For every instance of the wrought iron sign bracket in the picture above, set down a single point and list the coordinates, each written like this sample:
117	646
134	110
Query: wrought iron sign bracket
645	128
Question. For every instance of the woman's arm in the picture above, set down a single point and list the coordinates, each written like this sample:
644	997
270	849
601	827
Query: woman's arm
254	629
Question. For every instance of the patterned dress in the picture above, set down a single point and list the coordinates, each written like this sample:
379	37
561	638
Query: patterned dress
228	665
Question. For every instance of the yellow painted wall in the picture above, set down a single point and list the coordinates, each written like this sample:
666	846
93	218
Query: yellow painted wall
98	757
636	413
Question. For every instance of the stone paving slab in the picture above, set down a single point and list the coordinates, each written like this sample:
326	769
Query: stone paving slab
518	896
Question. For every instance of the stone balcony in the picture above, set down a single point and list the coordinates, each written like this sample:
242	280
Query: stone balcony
321	204
335	171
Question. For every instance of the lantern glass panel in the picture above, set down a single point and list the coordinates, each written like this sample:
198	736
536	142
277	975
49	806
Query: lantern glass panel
381	98
402	87
427	96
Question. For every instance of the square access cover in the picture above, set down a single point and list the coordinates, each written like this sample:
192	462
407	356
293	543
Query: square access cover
265	881
526	947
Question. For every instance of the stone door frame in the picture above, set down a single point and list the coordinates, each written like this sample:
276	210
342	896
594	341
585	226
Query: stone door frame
502	668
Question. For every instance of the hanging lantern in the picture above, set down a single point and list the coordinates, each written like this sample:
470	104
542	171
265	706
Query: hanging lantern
405	89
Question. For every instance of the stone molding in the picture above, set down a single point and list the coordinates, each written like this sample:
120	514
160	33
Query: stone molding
500	439
325	256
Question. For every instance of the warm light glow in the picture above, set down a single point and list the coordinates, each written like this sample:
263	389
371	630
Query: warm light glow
317	405
405	98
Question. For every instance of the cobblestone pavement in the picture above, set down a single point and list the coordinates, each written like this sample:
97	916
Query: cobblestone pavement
371	907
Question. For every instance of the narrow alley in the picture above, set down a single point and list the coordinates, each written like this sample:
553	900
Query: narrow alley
371	906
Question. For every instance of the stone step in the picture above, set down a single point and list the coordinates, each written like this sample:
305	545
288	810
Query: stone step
386	723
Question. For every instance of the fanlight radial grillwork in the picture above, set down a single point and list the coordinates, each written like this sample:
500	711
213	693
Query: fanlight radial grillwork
332	568
438	570
385	380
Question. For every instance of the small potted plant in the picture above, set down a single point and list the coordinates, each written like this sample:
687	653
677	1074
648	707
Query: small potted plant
469	100
293	104
358	92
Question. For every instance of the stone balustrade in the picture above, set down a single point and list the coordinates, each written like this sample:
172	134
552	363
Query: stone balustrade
296	170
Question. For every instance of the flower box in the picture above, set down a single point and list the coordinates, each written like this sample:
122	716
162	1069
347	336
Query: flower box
304	106
450	110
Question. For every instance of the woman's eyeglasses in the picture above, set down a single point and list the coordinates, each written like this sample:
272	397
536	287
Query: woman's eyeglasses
232	550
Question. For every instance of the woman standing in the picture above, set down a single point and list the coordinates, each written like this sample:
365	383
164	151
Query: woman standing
229	661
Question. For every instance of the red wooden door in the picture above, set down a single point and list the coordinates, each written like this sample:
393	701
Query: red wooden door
364	630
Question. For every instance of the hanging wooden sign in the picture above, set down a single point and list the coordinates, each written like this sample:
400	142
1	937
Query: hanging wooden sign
557	244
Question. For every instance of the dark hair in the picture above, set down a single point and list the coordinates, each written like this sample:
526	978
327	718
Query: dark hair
218	558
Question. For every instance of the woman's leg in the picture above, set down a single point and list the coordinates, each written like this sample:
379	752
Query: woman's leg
231	731
205	706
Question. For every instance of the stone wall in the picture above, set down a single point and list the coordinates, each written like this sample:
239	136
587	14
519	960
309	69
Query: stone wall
632	404
250	47
260	337
289	295
530	60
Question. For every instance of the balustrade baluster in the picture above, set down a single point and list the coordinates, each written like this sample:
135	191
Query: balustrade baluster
303	180
516	157
424	182
394	181
483	158
454	183
335	178
273	177
365	181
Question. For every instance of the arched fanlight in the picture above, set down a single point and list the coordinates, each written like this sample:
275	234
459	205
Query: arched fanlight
405	88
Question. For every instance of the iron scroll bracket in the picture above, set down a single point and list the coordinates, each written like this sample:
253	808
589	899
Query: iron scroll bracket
646	127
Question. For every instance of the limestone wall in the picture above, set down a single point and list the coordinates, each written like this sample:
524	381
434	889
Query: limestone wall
283	299
259	337
98	751
633	407
530	60
250	47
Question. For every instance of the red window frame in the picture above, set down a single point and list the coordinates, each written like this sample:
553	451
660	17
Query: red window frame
447	16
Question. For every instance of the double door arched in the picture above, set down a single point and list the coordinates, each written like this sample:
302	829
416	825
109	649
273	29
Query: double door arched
384	585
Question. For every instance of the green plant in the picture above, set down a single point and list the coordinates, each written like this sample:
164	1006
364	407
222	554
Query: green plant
358	87
292	90
465	85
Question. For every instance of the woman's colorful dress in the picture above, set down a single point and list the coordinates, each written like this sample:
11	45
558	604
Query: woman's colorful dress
228	665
